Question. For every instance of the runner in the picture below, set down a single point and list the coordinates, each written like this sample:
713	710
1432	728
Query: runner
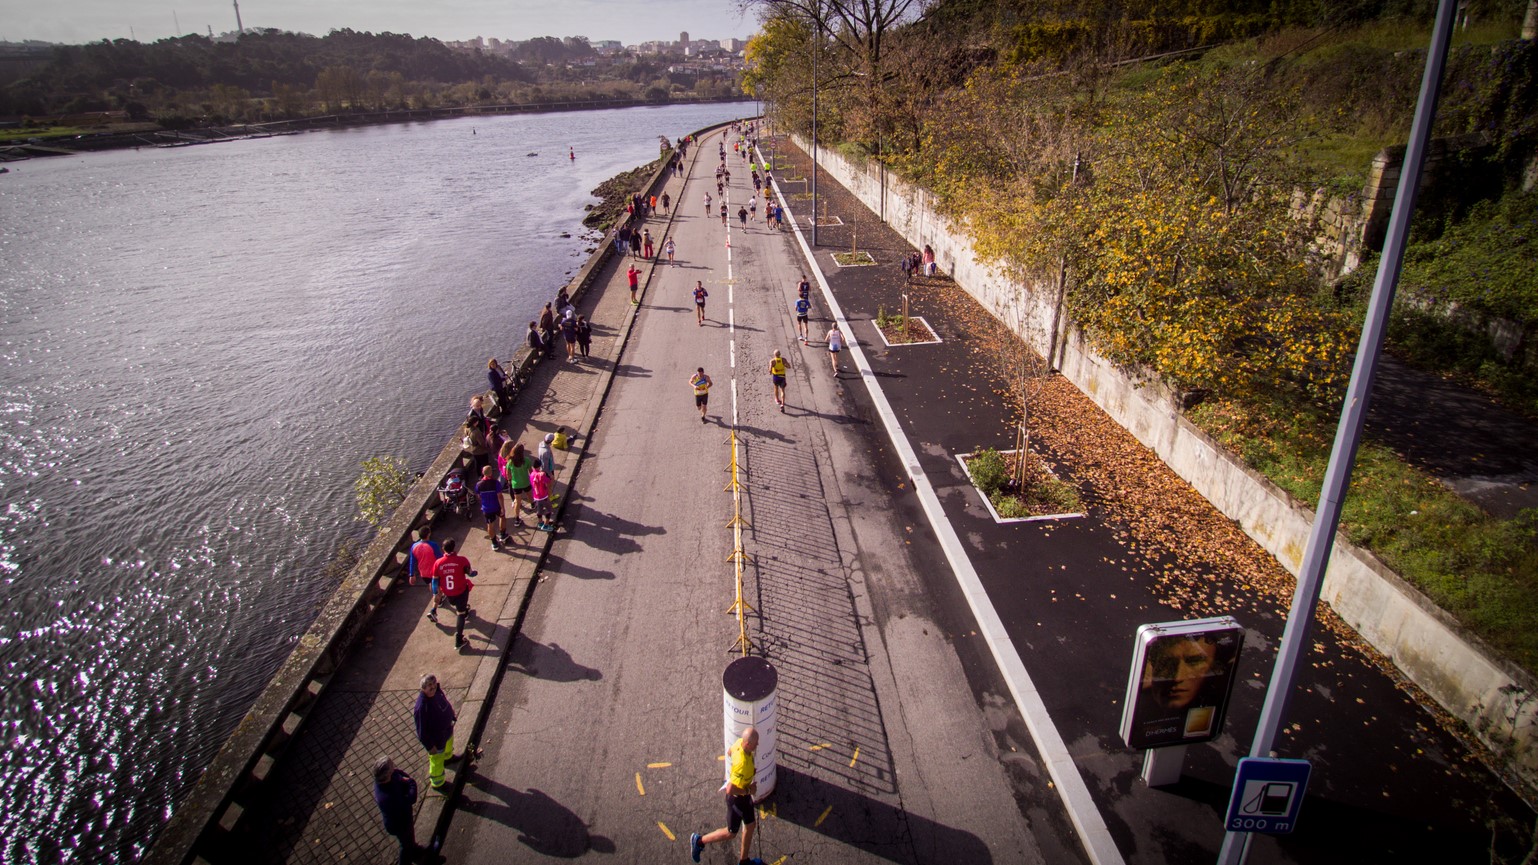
835	345
454	572
669	248
707	202
777	366
753	208
699	302
723	214
803	316
701	384
742	216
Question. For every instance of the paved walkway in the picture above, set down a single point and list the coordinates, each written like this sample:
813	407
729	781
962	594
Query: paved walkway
605	739
319	805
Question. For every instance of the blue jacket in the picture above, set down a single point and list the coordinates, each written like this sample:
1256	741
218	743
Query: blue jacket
395	800
435	720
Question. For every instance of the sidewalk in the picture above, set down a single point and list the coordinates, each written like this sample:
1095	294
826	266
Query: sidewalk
318	805
1391	782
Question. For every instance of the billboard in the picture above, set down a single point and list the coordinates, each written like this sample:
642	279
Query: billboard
1181	677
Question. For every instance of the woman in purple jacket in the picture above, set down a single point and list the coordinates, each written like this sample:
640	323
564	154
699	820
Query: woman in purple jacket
435	728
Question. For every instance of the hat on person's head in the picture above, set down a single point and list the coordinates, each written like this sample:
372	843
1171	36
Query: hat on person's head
549	438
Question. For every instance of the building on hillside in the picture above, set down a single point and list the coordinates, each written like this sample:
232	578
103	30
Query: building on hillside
683	39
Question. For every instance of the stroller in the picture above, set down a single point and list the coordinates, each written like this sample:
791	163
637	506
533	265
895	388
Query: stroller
455	494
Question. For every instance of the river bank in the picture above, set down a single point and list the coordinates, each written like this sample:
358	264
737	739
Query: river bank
614	194
150	135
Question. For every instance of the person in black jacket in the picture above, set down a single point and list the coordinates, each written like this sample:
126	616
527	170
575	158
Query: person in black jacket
395	793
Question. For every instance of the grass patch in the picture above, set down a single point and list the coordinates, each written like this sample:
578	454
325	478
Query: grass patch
15	136
1041	494
1481	569
853	259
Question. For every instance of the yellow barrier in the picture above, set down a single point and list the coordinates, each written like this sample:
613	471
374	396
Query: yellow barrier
740	607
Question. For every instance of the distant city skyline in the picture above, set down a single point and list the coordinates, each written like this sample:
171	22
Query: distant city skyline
628	21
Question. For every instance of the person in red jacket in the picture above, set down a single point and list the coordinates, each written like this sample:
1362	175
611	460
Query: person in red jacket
453	572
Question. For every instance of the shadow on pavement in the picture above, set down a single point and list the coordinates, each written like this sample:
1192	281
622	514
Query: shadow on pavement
546	826
870	825
608	532
551	663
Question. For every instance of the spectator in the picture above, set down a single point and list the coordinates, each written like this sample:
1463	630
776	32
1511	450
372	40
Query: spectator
395	792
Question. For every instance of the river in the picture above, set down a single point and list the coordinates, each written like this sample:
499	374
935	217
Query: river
201	345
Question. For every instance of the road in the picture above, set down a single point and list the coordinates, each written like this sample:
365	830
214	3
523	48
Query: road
895	742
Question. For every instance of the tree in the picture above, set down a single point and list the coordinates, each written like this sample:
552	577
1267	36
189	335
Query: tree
859	30
1189	262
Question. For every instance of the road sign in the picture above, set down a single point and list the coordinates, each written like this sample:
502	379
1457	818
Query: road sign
1267	795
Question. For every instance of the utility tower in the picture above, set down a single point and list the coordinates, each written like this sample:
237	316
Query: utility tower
239	28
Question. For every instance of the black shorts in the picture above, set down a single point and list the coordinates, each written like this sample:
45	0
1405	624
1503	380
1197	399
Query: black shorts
739	813
460	602
779	380
701	398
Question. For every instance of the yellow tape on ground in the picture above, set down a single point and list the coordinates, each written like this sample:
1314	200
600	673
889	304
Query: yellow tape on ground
666	831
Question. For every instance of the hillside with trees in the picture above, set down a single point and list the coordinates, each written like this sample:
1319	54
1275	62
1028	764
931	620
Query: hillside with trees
276	75
1142	162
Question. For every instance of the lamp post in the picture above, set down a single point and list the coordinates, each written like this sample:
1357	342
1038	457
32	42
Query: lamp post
815	47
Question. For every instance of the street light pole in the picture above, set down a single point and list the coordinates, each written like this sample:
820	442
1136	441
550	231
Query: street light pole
815	46
1353	414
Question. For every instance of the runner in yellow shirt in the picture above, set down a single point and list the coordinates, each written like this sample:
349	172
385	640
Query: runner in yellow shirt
739	789
701	384
777	367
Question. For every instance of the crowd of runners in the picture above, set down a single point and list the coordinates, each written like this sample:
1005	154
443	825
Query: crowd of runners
504	483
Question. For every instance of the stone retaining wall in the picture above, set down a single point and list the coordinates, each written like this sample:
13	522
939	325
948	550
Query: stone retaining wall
1494	697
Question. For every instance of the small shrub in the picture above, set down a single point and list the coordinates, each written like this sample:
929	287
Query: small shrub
1009	507
989	471
380	488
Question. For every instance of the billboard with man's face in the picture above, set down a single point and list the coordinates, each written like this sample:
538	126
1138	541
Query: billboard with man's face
1178	689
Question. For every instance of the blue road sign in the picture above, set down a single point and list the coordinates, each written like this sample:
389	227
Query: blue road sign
1267	795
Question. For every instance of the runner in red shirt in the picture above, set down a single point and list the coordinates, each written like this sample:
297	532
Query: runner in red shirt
453	572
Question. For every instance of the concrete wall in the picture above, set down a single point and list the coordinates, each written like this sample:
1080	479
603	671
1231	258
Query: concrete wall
1494	697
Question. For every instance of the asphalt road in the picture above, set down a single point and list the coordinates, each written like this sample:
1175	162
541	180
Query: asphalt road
895	742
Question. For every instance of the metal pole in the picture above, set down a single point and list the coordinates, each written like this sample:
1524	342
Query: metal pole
815	46
1337	477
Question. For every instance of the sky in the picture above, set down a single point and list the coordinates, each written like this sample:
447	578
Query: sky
629	21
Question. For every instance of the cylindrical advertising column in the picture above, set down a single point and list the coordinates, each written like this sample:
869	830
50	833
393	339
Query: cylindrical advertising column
749	688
